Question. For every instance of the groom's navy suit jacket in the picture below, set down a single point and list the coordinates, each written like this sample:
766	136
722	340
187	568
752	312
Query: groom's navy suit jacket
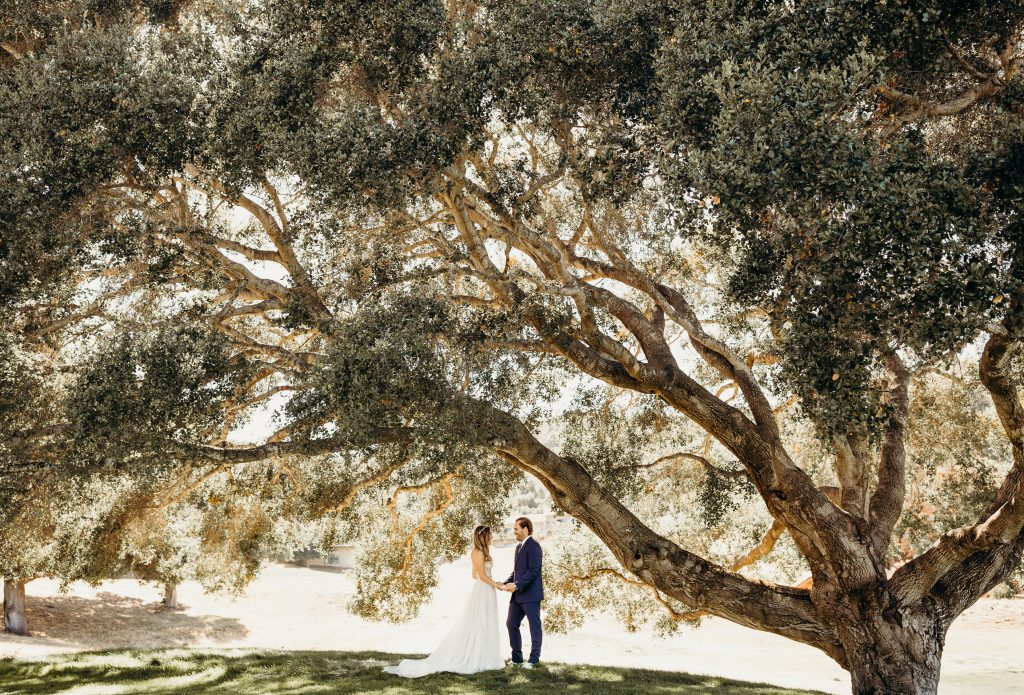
527	573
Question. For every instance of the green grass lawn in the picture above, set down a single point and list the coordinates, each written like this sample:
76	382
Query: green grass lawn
168	671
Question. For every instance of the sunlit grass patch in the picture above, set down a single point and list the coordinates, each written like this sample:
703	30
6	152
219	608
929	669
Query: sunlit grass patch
592	673
190	682
247	672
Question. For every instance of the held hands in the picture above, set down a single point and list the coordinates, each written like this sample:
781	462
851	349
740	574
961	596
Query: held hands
507	587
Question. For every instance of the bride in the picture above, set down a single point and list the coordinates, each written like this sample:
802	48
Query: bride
474	643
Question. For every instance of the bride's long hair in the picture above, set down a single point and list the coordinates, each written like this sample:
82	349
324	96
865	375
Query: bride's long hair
482	540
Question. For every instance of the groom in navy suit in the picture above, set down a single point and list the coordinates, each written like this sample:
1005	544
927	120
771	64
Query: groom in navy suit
527	589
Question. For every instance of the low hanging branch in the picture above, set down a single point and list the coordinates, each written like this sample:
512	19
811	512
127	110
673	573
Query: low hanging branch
390	505
762	549
767	543
176	493
738	474
679	616
445	484
361	485
988	86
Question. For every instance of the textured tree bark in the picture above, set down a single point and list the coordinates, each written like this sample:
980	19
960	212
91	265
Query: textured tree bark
170	596
14	607
898	652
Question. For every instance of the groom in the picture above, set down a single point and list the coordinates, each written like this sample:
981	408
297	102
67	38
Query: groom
527	592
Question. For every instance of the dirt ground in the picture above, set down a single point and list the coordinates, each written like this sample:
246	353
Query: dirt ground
300	608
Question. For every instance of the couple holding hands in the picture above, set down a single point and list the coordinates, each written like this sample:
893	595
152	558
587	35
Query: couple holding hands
474	642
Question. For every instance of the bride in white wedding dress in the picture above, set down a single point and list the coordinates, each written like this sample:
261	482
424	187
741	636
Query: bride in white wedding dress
474	643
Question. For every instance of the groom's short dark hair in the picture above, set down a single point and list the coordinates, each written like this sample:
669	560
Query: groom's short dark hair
526	524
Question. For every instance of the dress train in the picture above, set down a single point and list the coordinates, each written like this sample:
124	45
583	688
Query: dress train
472	645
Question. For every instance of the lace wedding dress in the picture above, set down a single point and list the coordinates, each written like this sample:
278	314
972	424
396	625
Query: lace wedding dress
472	645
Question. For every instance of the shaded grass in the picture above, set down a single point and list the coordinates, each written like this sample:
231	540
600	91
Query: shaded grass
179	671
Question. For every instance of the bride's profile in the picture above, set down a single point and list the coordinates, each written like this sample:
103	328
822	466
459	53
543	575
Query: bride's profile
474	642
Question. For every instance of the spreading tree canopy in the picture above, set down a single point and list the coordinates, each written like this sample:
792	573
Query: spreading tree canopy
425	226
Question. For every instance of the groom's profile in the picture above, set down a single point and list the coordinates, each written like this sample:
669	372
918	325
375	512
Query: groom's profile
527	589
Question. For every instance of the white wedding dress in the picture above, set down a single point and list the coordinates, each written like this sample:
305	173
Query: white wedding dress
472	645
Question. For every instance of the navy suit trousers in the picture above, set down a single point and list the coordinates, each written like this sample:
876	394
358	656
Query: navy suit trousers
516	612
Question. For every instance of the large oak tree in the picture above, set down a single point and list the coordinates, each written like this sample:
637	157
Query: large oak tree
423	221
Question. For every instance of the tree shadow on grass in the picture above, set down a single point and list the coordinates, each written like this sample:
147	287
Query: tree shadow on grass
112	621
176	672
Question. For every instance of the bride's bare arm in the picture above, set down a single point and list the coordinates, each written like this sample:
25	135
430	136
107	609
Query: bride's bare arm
478	569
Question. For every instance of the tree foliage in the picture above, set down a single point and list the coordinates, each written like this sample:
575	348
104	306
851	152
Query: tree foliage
425	226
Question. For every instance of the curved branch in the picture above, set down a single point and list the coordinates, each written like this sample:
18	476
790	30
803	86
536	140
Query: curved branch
976	576
445	482
768	541
738	474
275	231
916	108
762	549
916	578
683	576
250	252
852	472
675	306
268	450
1002	524
361	485
888	498
684	616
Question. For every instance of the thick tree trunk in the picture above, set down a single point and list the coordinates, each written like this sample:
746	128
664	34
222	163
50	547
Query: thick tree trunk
898	653
14	607
170	596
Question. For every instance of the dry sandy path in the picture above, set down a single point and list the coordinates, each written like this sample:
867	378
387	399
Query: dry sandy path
296	608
